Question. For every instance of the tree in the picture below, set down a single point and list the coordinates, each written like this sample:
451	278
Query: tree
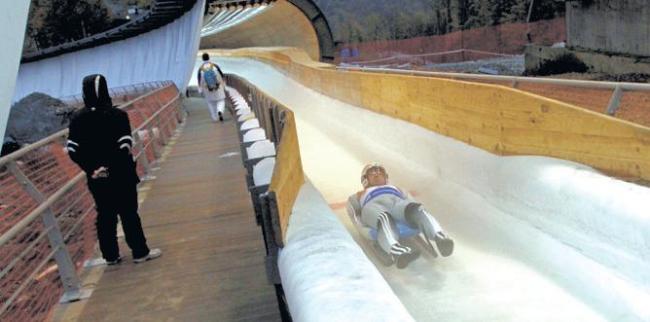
459	14
391	19
376	27
548	9
69	20
473	14
518	11
495	11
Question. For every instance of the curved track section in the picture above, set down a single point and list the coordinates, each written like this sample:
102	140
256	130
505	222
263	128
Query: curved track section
287	23
513	261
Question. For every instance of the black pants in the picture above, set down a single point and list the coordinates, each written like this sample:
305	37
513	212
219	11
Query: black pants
111	199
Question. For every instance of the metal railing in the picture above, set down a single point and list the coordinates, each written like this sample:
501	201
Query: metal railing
228	3
618	88
442	53
40	181
120	94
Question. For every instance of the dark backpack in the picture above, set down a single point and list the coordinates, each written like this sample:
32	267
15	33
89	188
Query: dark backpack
210	76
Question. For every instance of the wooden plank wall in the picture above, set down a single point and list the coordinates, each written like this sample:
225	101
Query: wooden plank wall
288	175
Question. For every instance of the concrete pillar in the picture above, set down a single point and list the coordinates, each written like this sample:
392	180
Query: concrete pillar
13	21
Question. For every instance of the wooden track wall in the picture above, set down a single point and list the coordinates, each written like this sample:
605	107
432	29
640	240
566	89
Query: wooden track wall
288	176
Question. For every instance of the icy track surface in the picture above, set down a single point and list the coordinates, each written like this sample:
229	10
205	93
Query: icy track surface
537	239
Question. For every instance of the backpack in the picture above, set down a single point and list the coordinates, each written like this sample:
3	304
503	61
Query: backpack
210	76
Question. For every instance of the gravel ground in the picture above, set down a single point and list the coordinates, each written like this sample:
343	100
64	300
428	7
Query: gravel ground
513	66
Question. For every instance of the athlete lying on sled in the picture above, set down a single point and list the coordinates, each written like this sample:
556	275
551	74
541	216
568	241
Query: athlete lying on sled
387	215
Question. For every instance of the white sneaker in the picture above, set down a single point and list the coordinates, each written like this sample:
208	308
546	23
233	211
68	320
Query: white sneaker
114	262
153	254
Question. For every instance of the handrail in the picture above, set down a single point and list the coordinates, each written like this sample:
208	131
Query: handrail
627	86
31	56
155	115
227	3
23	285
139	88
147	122
53	137
614	101
13	231
442	53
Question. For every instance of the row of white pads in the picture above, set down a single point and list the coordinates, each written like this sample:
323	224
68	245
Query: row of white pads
250	131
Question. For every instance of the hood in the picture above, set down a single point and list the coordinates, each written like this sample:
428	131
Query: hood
95	92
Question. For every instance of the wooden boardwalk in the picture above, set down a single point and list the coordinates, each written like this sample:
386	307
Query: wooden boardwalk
198	212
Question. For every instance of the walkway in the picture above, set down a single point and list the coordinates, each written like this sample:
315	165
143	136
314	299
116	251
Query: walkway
198	212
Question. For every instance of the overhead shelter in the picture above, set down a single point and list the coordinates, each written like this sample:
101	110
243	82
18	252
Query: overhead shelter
272	23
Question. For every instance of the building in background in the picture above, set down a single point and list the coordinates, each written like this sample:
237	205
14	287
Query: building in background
607	36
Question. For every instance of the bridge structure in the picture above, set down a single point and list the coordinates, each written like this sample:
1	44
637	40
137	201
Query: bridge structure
545	200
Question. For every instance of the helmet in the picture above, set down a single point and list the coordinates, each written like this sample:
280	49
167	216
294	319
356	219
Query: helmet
367	168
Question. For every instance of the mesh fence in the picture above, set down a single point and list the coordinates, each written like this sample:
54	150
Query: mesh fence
503	40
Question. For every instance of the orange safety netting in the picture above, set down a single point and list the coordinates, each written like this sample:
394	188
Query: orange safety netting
463	45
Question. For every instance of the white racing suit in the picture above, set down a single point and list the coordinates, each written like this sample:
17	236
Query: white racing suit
215	99
382	206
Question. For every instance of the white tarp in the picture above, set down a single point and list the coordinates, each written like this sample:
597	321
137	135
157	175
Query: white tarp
167	53
13	19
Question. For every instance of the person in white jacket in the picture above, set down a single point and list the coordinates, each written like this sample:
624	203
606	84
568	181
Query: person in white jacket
382	204
212	86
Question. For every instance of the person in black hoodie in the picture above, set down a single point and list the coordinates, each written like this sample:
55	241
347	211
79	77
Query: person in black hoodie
100	142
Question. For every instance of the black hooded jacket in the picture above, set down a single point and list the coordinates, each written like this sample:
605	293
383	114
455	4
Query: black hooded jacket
100	135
